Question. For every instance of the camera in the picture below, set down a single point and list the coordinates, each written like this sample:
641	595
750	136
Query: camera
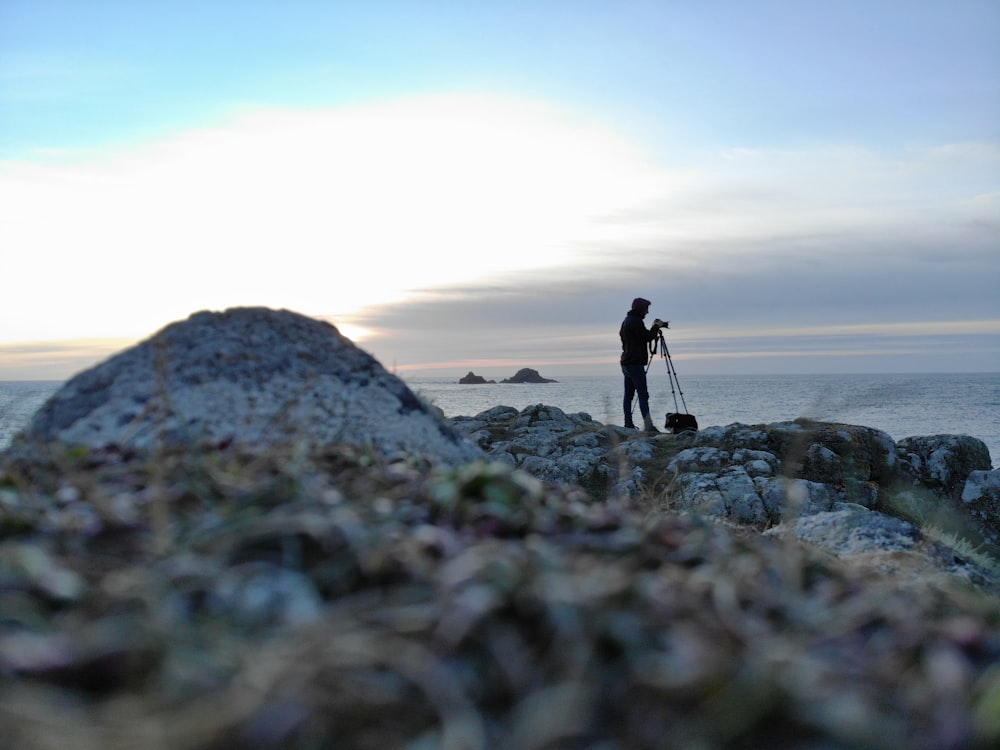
661	323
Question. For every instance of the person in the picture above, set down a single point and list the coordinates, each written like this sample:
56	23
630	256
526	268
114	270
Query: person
635	354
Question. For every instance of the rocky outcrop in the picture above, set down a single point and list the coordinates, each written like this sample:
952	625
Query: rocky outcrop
803	478
473	379
980	501
750	474
527	375
558	447
760	474
942	462
250	376
949	476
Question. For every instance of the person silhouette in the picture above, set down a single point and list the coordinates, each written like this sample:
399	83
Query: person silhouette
635	338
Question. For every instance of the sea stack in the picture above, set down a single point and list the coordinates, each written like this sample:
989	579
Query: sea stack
473	379
527	375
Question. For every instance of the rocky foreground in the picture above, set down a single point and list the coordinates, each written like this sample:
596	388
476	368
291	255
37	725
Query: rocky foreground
206	543
847	489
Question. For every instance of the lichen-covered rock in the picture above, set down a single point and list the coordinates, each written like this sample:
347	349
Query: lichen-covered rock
252	376
823	465
699	459
757	463
849	532
981	501
559	447
942	462
880	543
844	456
750	474
785	497
733	492
735	436
799	467
730	494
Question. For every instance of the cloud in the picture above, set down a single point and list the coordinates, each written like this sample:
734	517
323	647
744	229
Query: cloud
325	211
55	360
458	227
872	316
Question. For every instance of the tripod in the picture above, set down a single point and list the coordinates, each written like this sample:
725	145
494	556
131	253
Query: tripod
676	422
675	384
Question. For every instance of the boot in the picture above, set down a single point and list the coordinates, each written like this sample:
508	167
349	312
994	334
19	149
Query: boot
629	424
647	424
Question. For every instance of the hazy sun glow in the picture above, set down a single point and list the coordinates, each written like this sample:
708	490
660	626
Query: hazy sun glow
325	212
355	333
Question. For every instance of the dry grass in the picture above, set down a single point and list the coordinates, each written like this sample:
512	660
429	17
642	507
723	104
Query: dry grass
302	600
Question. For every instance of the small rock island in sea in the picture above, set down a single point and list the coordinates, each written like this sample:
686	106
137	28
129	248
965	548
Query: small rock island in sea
473	379
527	375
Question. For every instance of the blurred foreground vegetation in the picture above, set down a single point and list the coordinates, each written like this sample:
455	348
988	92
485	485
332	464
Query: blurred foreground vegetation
325	599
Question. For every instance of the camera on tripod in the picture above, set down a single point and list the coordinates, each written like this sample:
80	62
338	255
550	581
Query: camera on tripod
661	323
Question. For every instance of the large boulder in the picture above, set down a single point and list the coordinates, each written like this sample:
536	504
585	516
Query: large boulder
944	480
248	376
942	462
981	501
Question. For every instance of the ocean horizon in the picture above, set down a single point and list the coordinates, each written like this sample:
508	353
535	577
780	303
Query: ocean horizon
902	405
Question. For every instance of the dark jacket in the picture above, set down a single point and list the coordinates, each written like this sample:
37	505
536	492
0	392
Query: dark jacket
635	339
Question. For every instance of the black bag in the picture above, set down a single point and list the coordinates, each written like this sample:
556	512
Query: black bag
680	423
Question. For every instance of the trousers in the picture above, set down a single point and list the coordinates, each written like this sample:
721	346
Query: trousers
635	384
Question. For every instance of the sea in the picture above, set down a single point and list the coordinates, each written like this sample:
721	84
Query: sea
901	405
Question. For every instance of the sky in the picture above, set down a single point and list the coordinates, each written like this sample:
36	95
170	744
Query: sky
799	186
